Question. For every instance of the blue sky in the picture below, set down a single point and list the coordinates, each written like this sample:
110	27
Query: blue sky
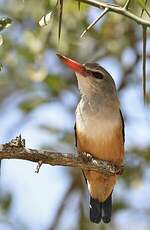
36	196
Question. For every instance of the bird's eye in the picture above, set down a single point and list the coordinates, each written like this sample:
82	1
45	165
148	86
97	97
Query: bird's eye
98	75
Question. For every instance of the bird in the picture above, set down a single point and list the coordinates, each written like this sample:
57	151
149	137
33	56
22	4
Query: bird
99	131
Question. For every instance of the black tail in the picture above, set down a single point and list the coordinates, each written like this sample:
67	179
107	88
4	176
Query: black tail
101	210
107	209
95	210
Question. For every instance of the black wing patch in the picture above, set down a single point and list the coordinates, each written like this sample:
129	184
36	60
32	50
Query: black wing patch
123	126
75	131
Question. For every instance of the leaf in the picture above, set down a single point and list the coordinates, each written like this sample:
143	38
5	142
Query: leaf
119	205
5	202
141	3
143	152
31	104
46	19
1	40
1	66
55	83
132	174
5	23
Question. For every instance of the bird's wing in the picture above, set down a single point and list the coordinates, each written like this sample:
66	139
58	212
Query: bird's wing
123	126
75	131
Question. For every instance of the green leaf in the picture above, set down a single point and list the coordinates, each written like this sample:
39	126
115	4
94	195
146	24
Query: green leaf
118	205
5	203
1	66
31	104
55	83
142	3
5	23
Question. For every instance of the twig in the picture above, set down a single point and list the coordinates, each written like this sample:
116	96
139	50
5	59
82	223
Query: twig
95	21
119	10
144	9
79	4
60	17
127	73
144	61
147	12
124	11
126	6
13	150
38	167
63	203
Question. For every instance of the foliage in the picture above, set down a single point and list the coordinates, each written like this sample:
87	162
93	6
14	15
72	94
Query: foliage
32	76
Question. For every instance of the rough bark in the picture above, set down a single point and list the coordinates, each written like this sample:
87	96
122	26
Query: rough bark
15	149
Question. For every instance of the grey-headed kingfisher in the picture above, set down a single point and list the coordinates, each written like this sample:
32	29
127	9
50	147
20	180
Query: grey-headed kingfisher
99	131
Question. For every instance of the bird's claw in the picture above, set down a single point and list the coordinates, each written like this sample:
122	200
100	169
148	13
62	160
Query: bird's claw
86	156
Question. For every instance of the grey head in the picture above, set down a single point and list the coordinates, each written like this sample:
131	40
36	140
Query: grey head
97	83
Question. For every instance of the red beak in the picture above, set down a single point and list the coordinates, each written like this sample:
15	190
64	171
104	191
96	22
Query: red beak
73	65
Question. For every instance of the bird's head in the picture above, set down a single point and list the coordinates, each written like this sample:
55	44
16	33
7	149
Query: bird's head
92	78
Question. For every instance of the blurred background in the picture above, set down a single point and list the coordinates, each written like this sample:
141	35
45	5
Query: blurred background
38	96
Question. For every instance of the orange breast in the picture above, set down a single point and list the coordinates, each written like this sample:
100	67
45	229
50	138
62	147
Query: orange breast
106	146
104	140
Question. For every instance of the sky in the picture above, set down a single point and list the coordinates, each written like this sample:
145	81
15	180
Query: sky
36	197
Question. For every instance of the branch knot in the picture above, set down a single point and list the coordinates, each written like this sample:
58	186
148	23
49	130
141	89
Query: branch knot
18	142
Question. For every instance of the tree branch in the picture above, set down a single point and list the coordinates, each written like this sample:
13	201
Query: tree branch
95	21
144	61
126	6
117	9
125	12
15	149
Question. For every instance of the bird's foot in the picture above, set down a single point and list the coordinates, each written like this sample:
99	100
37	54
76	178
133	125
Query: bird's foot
86	156
119	170
18	142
